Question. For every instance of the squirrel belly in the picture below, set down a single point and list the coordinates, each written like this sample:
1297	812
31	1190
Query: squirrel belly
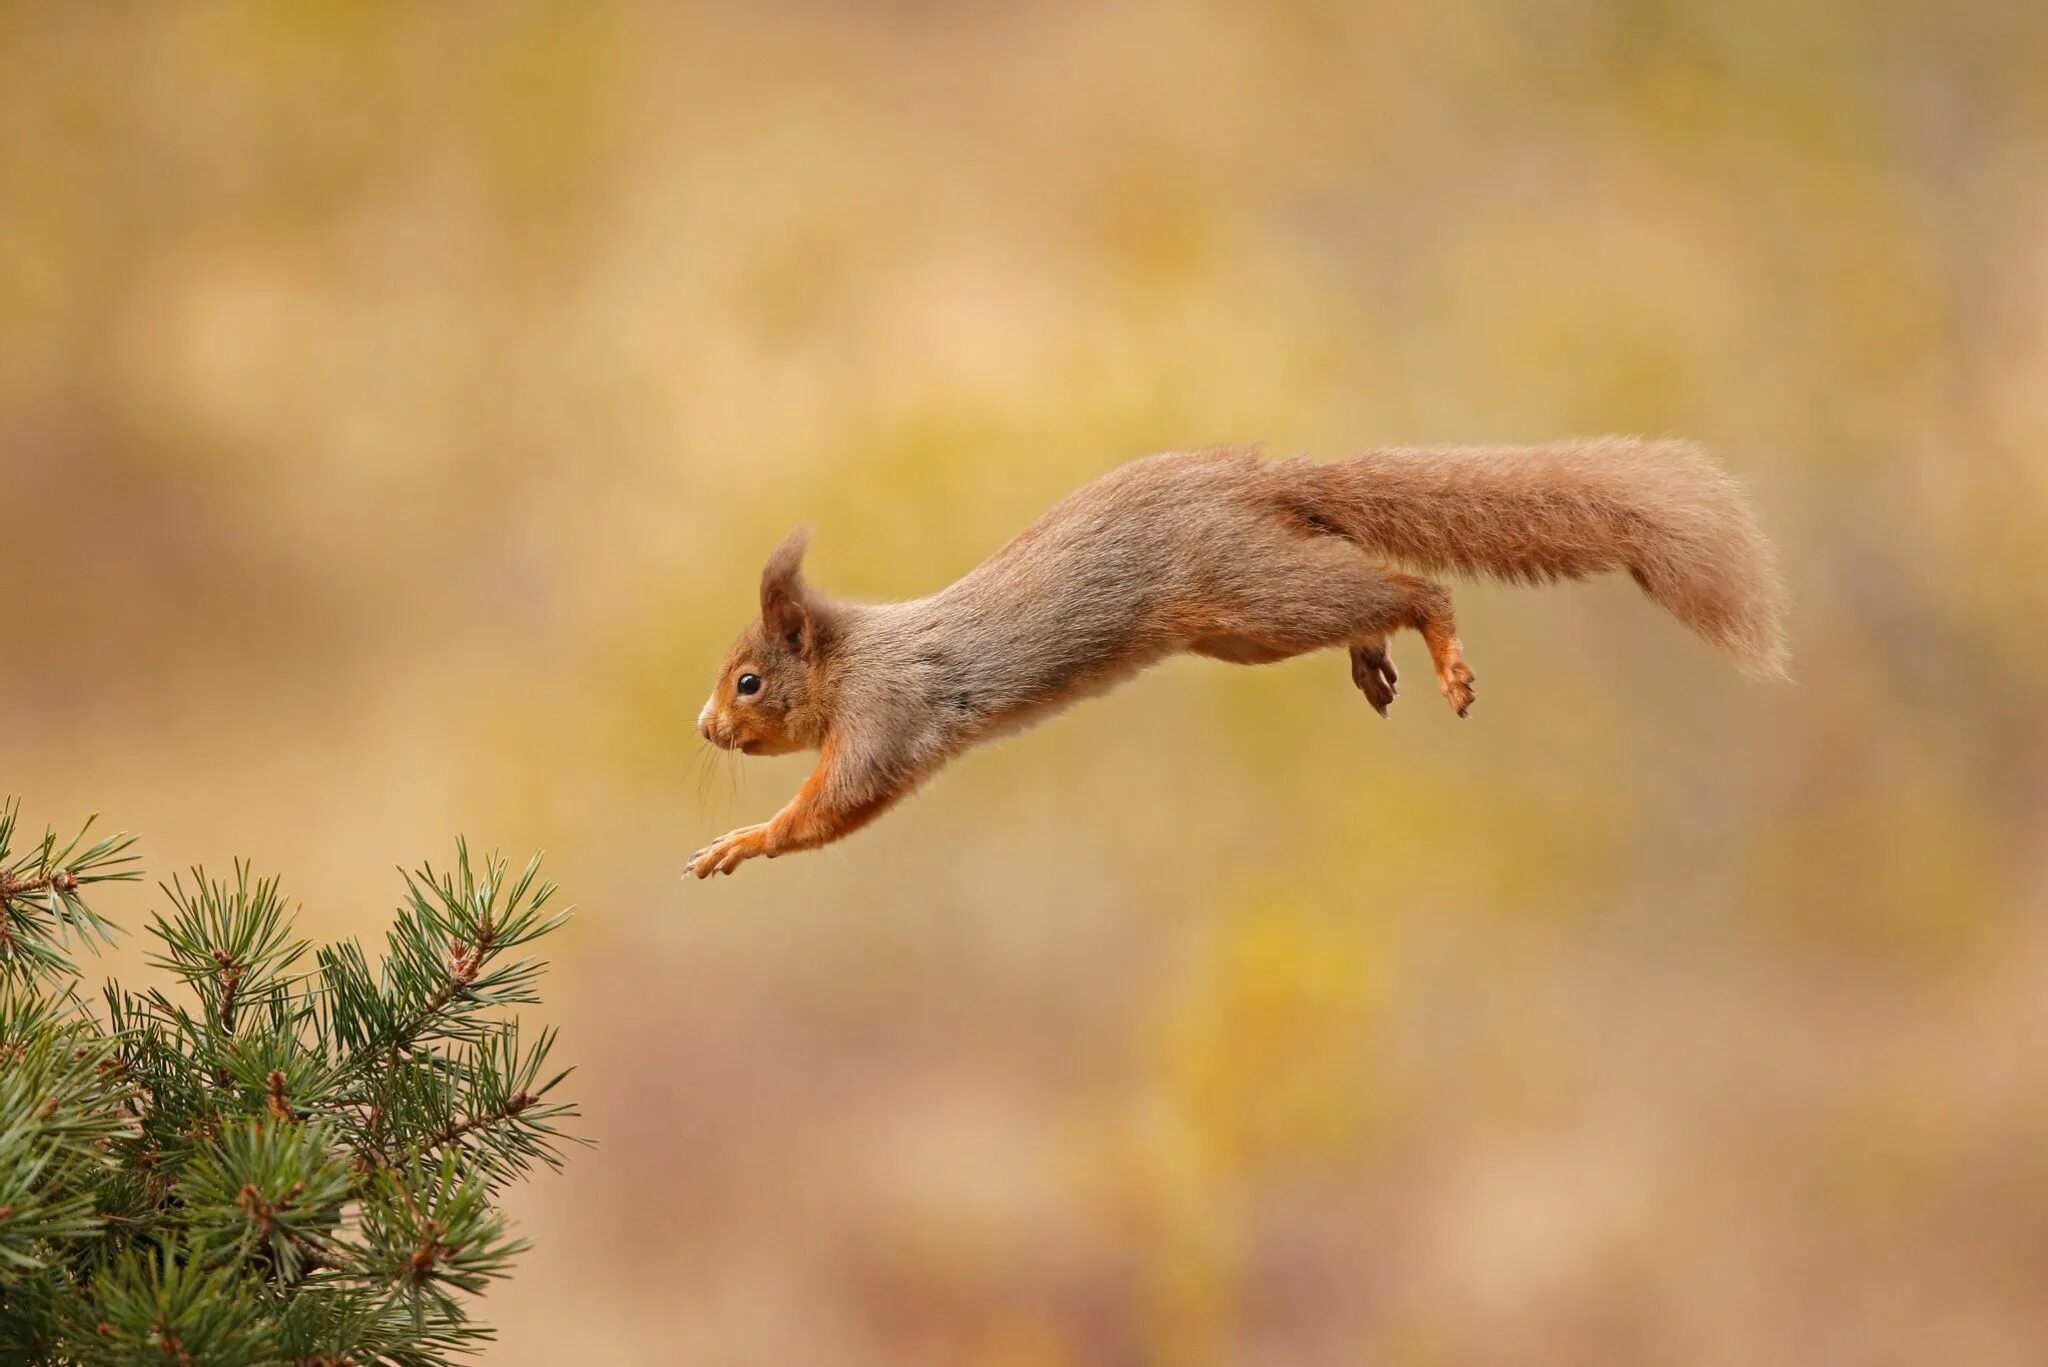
1222	554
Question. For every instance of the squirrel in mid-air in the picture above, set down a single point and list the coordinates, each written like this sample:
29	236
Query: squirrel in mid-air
1223	554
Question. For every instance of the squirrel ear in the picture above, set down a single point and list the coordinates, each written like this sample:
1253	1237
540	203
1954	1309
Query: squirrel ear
785	600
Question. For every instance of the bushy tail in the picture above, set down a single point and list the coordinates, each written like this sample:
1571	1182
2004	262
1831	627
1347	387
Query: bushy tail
1565	510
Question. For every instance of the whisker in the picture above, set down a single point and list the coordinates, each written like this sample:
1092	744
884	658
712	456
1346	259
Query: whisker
704	769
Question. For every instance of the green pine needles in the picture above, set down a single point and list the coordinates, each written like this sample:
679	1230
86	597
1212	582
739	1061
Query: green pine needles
293	1157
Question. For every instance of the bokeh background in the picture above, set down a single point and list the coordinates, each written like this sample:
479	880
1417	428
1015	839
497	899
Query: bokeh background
396	402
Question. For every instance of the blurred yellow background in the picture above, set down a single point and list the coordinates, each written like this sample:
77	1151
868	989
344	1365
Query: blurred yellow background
397	401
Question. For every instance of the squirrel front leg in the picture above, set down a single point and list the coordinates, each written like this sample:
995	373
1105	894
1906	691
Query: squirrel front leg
824	809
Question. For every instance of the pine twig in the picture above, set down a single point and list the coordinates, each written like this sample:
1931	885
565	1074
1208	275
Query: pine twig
456	1129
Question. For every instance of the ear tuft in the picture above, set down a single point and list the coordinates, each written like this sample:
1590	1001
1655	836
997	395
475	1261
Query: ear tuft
786	609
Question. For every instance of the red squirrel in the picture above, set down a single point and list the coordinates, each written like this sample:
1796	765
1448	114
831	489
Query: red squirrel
1217	553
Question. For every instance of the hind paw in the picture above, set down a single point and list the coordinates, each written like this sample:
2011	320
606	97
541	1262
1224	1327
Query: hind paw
1374	674
1456	681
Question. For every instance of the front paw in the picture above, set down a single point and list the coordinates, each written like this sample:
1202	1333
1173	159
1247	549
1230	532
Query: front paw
729	851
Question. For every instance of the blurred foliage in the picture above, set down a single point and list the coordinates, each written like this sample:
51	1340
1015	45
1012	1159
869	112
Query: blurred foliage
396	402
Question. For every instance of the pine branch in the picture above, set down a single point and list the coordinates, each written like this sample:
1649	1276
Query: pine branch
42	901
301	1169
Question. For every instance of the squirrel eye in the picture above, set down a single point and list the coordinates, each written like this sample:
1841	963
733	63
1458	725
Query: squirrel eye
749	685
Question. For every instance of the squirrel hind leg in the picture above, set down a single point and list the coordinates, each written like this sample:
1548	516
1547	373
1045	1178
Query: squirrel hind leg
1430	613
1426	607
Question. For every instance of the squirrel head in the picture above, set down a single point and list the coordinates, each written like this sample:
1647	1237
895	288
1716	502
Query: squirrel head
769	695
